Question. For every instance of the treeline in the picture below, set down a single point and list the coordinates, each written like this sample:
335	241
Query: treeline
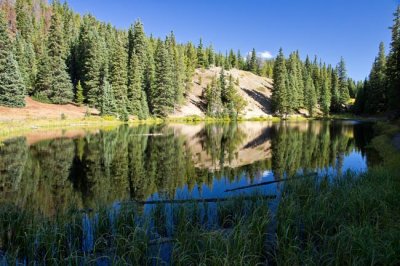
55	55
381	90
310	85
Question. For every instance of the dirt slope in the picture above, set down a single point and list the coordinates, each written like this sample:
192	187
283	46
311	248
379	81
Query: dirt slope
36	110
255	90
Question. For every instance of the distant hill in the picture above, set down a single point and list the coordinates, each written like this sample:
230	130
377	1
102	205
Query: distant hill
255	90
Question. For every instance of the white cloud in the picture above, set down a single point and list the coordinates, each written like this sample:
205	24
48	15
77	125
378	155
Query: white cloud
265	55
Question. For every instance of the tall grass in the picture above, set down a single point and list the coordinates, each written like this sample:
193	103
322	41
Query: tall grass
352	220
181	234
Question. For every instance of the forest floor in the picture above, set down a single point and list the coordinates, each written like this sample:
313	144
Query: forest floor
35	110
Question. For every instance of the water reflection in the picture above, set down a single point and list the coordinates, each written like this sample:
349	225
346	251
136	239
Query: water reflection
144	162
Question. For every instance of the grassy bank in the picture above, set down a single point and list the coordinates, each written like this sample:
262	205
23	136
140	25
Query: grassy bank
15	128
347	220
19	127
352	220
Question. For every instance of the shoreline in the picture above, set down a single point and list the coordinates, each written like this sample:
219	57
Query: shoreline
15	128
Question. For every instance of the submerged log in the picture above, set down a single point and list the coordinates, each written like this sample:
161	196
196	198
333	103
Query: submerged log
161	241
150	202
270	182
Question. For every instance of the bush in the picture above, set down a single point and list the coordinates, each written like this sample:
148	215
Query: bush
87	113
109	117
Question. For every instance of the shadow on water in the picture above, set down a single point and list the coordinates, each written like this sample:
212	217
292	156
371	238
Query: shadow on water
90	192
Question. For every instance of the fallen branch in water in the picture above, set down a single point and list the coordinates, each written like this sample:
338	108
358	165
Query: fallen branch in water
200	200
161	241
150	134
270	182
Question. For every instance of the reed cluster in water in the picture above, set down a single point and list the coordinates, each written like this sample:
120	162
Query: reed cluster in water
132	233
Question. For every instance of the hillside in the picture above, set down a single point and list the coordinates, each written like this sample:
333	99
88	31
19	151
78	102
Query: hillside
255	90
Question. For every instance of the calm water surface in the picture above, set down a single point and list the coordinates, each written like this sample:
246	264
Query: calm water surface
50	172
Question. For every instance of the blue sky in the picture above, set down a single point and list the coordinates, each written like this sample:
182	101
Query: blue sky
327	28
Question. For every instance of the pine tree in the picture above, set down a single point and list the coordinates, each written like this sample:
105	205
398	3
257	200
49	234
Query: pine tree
326	97
300	80
144	106
43	79
178	67
137	58
222	86
201	61
179	79
79	98
227	63
149	74
24	19
135	86
316	77
55	42
311	95
55	86
234	101
376	99
344	95
230	91
190	63
232	59
26	58
294	89
118	75
335	103
91	60
5	42
240	61
108	105
252	62
213	97
61	85
12	88
210	56
280	92
359	105
352	87
393	64
163	93
137	43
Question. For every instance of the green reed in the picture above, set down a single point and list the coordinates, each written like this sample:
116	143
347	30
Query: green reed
133	234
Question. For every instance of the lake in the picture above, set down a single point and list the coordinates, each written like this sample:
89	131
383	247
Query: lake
163	194
56	172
